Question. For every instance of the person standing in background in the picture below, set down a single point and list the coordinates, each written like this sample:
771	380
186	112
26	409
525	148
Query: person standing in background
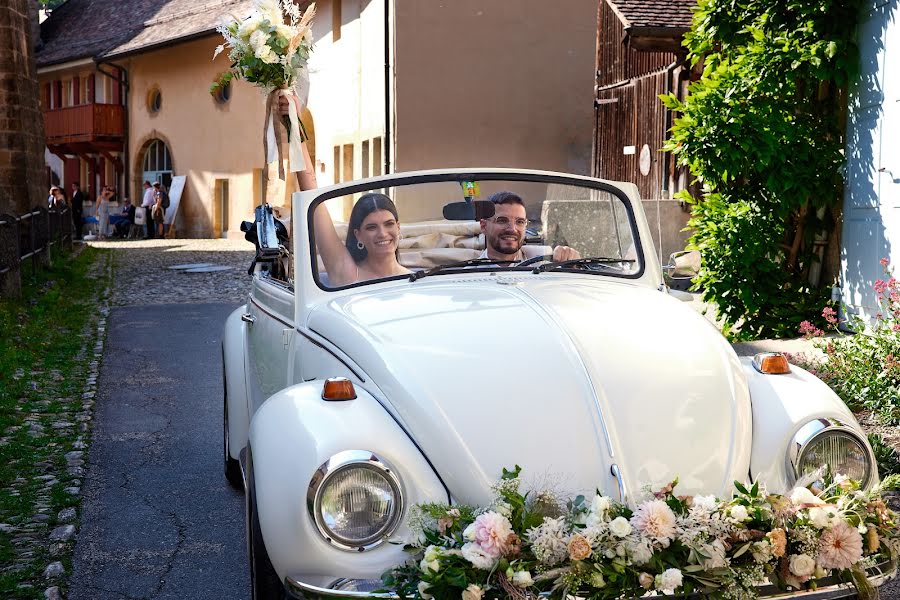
102	207
77	209
147	203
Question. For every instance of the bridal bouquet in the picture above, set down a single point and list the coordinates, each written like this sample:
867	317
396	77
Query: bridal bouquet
523	545
271	53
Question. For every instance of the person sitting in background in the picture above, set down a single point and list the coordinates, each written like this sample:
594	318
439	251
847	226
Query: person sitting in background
123	227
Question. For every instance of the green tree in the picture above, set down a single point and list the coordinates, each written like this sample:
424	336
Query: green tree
761	133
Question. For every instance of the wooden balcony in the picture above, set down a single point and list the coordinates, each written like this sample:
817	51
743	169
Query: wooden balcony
85	128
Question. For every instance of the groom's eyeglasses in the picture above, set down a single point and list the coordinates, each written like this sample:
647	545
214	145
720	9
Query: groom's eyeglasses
520	223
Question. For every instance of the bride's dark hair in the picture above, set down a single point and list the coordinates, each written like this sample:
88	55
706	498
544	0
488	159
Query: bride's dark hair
365	206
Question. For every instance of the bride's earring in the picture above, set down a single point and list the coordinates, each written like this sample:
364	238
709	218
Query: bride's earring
360	245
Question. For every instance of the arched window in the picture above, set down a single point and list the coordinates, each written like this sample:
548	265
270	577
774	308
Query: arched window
157	163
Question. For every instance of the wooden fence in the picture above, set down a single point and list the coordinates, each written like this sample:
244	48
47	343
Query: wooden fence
36	236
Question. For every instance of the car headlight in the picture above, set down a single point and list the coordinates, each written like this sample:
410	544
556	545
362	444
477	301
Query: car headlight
355	500
830	443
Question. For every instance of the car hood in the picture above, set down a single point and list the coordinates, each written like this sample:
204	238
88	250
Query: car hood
565	376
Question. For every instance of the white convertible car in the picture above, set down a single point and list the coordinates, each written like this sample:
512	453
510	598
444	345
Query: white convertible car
349	400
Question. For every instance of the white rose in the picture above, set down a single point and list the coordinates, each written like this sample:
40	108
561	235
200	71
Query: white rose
802	495
818	517
473	553
249	27
469	532
473	592
522	579
802	565
423	590
432	553
669	580
620	527
425	565
258	40
600	505
739	512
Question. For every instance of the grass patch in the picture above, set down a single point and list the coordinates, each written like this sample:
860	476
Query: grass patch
44	355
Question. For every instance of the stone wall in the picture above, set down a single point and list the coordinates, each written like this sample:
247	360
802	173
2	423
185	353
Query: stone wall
22	175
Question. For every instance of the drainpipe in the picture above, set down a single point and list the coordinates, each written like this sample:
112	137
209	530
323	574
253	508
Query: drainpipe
122	79
388	110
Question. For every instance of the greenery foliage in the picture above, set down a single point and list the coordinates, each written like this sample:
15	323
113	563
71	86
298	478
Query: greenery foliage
887	458
760	132
43	362
863	369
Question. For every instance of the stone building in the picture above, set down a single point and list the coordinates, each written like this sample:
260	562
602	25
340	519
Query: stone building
22	180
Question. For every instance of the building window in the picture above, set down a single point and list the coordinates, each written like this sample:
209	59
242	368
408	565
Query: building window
376	156
154	100
365	159
347	166
158	164
222	93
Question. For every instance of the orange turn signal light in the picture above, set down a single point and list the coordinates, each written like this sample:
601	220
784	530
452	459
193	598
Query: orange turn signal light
771	363
338	388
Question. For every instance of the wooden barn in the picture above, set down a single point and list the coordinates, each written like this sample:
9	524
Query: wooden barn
640	57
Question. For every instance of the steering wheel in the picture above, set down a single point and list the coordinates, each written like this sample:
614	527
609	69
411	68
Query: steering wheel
533	259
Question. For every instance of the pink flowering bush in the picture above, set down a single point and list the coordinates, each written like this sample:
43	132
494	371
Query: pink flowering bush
863	368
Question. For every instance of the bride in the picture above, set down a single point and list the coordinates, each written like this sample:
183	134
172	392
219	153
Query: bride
371	249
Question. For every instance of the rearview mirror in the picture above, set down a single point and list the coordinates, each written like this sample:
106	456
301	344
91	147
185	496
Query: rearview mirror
469	211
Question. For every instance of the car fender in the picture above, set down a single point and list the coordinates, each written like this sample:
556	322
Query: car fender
782	404
234	340
292	434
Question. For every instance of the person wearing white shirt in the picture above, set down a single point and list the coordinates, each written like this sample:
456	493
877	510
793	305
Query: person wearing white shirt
147	204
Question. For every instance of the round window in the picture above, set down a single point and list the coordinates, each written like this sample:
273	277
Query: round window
154	100
223	93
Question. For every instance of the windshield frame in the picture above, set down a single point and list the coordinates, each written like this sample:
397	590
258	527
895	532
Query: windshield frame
398	180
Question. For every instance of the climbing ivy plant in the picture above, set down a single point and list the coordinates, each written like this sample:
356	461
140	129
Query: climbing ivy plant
761	133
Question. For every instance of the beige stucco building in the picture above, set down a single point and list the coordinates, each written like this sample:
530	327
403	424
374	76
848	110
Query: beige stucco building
396	85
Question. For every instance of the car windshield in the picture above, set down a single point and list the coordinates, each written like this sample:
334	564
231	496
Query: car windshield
417	229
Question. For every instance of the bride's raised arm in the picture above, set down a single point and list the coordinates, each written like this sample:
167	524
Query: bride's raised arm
335	256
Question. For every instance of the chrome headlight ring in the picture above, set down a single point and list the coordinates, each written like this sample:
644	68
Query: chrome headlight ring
813	431
340	462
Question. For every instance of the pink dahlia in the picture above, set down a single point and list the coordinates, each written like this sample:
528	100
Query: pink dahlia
490	531
655	520
840	547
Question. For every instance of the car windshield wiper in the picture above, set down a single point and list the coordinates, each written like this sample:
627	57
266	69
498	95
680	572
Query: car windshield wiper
416	275
585	263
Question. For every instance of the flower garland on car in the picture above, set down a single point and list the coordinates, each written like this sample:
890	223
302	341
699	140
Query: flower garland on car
272	54
600	549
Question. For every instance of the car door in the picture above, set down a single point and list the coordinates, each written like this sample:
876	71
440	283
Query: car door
270	331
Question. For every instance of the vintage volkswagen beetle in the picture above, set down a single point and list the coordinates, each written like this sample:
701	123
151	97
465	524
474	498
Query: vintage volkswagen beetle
347	405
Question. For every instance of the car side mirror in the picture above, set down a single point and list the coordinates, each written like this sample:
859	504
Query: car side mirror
470	210
682	268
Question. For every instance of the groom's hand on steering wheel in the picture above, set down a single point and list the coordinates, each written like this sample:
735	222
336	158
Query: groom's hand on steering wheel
562	253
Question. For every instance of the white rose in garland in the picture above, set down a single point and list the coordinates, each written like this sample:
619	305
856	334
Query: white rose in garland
669	580
620	527
473	592
802	565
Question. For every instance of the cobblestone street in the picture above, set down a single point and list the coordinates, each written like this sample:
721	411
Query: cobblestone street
143	277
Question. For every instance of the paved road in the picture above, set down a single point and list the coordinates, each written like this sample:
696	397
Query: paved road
159	520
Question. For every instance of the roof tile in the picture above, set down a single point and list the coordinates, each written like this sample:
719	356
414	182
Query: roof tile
674	14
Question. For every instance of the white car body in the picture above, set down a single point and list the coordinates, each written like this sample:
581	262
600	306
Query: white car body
596	382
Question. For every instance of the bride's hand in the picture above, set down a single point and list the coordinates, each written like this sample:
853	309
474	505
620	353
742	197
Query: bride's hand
283	106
